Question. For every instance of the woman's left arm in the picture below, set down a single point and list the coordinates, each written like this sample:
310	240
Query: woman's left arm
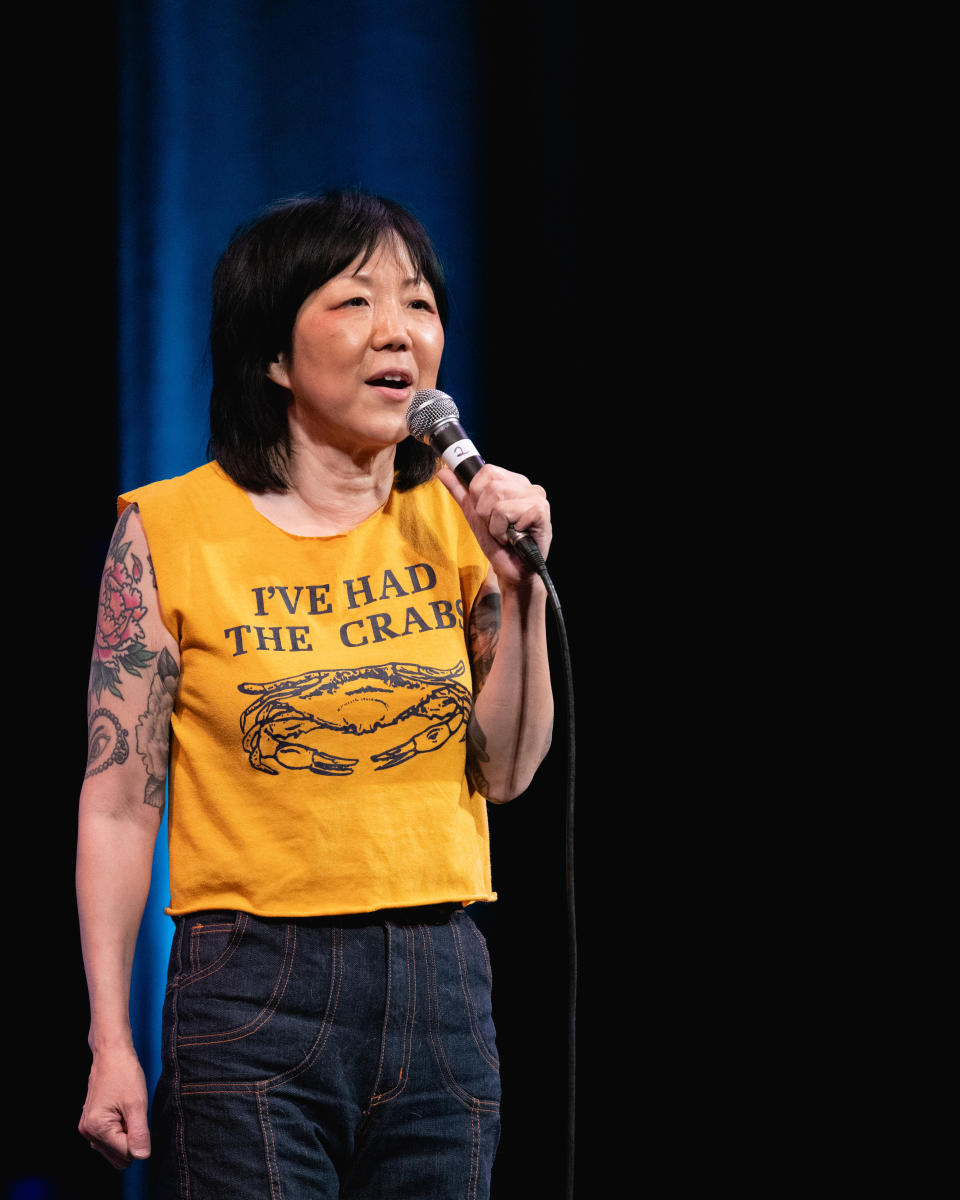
511	724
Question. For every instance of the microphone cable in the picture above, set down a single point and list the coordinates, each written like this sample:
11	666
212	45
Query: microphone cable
433	418
568	876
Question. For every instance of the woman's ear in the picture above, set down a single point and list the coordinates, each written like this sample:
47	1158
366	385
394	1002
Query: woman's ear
277	371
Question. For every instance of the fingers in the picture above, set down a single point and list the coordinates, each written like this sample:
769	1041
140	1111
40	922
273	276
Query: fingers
504	499
138	1134
501	498
114	1119
117	1158
495	502
118	1145
452	484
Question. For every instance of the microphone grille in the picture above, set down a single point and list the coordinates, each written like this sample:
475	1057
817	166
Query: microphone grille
427	408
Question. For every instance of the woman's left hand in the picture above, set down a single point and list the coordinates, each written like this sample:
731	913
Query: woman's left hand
495	499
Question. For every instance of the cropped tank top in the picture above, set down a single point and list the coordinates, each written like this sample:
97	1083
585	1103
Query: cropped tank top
318	736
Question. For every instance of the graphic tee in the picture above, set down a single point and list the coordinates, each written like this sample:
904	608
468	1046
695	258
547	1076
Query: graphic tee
318	736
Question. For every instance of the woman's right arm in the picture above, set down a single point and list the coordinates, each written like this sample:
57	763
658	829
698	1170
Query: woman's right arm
133	681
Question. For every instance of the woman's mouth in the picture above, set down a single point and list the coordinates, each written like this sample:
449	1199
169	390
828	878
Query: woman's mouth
398	382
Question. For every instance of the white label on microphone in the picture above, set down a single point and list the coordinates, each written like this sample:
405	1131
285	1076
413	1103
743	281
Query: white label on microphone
458	451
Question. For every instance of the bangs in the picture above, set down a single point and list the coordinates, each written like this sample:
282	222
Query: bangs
398	245
349	226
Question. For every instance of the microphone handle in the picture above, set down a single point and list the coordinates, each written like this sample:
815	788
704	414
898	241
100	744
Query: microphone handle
460	454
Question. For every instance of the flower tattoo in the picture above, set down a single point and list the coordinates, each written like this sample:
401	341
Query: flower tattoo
118	645
153	728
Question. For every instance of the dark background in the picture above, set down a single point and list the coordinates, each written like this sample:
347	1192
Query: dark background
536	340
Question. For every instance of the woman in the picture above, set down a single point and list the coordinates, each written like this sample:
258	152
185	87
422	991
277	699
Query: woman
351	661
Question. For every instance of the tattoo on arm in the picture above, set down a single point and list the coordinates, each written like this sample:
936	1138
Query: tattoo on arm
118	645
477	754
484	635
119	649
153	728
120	531
106	742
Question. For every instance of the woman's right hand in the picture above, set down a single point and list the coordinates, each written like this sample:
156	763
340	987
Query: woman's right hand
114	1119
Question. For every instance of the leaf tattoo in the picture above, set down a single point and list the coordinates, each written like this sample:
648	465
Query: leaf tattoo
153	728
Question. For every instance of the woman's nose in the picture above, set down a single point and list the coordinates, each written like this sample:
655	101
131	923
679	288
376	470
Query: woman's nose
389	331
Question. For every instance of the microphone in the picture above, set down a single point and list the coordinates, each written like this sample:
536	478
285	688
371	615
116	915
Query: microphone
434	418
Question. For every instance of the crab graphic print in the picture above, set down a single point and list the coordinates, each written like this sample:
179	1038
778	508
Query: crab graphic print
357	701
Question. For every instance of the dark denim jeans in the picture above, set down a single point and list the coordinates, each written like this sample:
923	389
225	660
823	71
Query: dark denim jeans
327	1057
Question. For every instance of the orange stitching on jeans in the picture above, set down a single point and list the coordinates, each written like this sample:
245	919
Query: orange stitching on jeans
483	946
333	999
269	1145
265	1013
408	1023
237	1089
474	1151
175	1092
216	1087
434	1009
219	962
388	936
195	934
475	1033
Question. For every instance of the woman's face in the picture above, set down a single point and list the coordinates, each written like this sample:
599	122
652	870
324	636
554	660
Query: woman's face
362	345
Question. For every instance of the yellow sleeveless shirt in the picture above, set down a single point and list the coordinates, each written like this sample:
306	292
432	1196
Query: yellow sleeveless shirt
317	754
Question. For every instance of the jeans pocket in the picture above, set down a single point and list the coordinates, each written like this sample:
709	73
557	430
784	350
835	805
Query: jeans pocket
207	938
239	973
461	1017
259	1004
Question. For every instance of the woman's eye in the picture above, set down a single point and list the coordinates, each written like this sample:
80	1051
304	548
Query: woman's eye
354	302
423	304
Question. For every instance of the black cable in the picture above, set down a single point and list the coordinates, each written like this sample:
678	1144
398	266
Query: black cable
568	872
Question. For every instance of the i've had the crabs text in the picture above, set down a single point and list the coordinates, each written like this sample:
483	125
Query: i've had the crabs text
325	601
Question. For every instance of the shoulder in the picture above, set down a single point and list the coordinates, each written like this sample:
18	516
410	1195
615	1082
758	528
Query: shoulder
206	482
174	517
196	506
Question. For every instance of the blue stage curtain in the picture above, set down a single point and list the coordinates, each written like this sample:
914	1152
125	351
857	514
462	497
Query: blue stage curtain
225	106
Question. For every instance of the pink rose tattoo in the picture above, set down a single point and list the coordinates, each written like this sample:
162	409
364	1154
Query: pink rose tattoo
118	645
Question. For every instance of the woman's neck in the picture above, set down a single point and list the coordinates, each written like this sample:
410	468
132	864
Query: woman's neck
331	492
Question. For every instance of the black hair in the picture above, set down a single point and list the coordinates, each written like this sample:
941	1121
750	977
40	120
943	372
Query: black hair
270	267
